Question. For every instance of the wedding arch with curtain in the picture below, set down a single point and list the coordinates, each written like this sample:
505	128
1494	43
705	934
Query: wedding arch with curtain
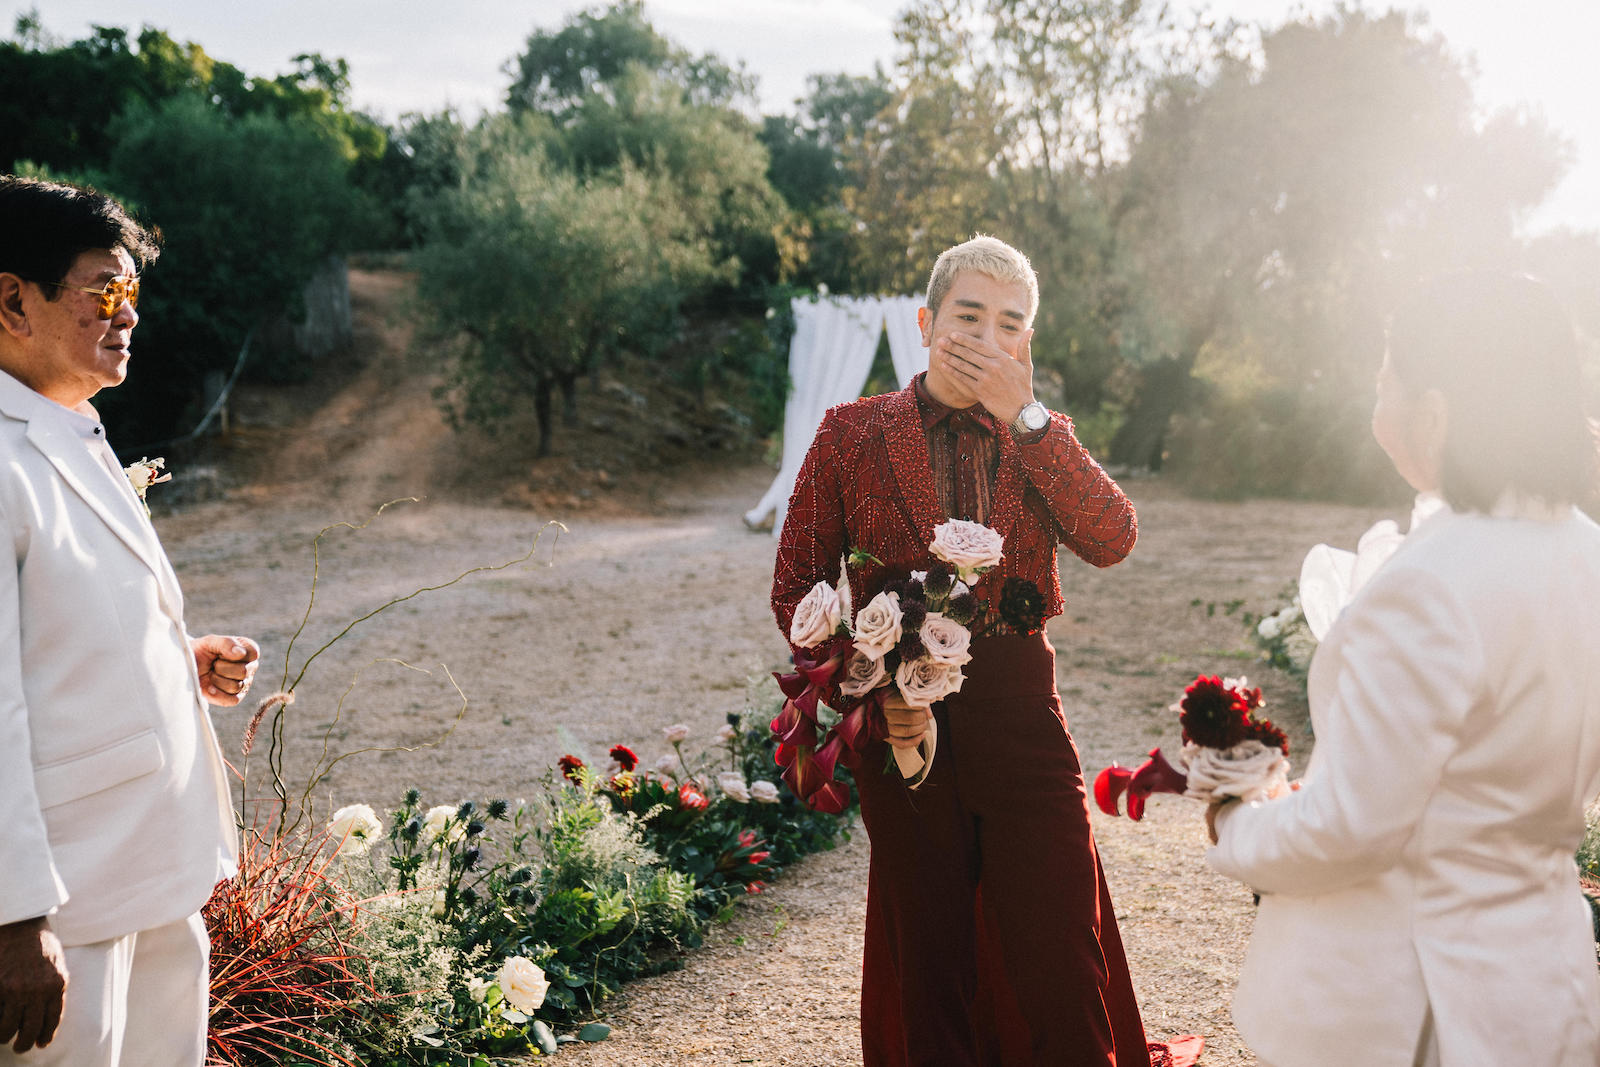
830	356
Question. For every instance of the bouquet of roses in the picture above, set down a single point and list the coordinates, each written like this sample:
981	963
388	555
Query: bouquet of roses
913	637
1228	752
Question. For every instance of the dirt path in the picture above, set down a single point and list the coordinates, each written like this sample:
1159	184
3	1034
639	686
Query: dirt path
642	621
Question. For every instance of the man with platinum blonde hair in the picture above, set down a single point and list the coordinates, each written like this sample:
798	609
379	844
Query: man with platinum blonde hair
990	932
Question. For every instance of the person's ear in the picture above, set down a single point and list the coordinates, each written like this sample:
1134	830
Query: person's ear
13	316
925	326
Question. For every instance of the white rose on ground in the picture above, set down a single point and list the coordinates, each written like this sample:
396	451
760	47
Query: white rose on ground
817	617
764	792
523	984
878	625
734	787
970	547
436	823
1270	627
922	681
355	827
862	674
675	734
478	989
947	641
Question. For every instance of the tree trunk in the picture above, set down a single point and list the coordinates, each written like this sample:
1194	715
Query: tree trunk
569	399
1163	388
541	410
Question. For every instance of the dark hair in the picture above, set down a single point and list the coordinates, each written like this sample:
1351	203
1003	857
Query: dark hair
1503	353
46	226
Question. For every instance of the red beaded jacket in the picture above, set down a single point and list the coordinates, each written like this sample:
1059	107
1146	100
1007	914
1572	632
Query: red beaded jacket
867	483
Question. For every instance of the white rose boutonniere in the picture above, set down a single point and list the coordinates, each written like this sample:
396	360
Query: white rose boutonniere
142	475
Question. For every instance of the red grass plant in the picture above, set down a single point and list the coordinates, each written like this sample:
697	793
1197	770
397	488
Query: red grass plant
281	970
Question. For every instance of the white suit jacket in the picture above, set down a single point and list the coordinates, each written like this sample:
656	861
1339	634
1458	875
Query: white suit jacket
114	808
1426	865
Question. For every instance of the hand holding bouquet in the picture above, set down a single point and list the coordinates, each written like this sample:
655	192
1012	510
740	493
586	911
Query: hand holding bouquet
1229	753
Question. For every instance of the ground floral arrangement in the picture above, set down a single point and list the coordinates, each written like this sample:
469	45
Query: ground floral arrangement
482	932
477	933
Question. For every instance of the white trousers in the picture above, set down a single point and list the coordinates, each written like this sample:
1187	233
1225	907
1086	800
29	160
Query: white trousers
134	1001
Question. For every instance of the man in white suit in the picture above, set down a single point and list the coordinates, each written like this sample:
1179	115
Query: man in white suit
115	822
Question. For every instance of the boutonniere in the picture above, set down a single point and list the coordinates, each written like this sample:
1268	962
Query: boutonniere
142	475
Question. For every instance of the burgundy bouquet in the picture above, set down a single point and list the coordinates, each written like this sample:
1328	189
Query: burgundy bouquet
1228	752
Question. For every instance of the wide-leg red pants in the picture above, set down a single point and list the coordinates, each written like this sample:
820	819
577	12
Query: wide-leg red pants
990	937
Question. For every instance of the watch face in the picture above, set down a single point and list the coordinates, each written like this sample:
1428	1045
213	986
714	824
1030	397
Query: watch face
1034	416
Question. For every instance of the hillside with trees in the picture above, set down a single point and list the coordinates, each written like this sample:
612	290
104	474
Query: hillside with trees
1220	214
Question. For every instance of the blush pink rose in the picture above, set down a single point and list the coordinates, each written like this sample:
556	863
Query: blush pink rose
947	641
817	617
862	674
878	625
970	547
922	681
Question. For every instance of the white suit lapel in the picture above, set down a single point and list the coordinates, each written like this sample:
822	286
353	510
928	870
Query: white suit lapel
111	498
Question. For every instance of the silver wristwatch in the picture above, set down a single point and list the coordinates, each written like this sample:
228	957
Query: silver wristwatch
1032	418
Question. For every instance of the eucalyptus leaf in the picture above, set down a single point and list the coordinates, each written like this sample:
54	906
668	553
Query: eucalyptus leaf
594	1032
545	1038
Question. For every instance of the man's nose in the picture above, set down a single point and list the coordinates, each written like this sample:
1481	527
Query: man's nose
125	316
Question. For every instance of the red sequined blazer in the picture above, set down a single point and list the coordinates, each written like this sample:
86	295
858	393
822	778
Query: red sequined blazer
867	483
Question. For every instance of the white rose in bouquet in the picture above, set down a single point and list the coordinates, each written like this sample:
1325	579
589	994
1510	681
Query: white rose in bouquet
676	734
878	625
355	827
924	681
817	617
734	787
764	792
970	547
862	674
1250	770
523	984
947	641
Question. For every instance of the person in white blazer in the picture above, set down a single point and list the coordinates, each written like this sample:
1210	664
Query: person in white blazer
1419	896
115	821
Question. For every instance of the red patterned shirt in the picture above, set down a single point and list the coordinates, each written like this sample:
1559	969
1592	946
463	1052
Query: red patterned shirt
883	471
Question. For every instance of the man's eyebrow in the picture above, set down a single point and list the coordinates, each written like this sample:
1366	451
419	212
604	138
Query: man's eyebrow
980	305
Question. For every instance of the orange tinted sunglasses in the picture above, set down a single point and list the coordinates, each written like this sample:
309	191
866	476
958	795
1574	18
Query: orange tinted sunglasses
118	289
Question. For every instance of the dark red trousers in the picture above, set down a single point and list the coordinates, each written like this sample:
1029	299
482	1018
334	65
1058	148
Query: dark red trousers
990	937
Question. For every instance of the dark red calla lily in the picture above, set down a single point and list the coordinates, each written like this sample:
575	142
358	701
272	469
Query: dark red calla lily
831	799
827	756
1154	775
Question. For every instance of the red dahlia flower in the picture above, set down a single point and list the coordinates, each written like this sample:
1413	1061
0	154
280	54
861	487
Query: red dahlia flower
625	757
1213	715
570	766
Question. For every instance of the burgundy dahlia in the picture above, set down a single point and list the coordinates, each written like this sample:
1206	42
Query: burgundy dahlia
1213	715
625	757
1022	606
570	766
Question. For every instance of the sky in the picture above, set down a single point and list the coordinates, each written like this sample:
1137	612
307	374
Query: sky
421	55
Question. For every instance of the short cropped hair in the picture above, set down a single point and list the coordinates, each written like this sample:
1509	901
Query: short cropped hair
1502	352
986	255
47	225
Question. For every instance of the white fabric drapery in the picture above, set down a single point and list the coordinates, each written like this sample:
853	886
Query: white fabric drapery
830	356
